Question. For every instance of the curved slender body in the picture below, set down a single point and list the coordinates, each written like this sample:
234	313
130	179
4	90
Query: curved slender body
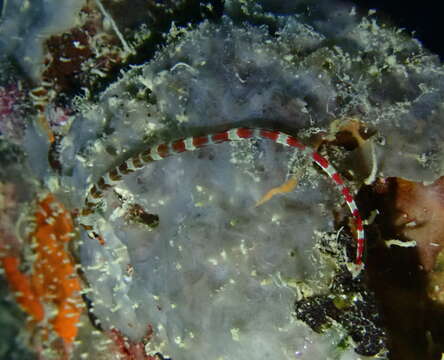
161	151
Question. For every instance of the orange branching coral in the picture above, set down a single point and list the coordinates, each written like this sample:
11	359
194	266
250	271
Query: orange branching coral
53	282
21	285
54	276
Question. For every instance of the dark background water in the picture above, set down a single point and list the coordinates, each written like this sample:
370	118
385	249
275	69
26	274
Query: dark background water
424	18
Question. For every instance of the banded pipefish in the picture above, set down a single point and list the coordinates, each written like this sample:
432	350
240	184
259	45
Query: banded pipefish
111	178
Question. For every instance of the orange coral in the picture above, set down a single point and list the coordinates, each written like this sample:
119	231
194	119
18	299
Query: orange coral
53	280
21	286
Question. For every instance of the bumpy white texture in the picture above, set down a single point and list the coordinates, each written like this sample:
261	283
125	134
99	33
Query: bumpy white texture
380	76
213	78
401	94
217	277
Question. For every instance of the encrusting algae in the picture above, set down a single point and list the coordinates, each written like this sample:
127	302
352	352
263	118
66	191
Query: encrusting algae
52	282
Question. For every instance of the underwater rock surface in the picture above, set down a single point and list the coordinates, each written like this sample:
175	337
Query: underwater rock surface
238	250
